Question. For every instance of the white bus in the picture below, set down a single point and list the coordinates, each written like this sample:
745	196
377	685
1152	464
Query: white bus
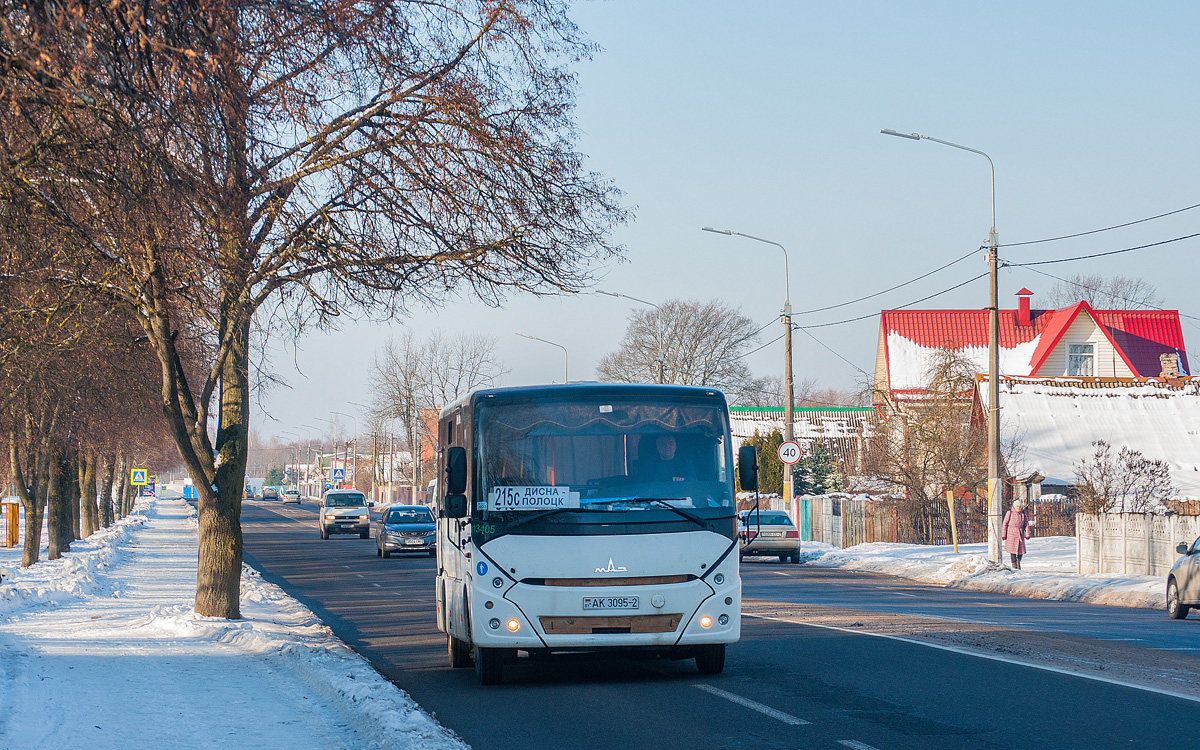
588	517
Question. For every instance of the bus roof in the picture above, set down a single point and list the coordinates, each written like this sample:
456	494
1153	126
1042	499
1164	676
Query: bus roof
587	390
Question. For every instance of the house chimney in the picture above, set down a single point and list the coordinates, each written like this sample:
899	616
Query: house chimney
1170	365
1023	316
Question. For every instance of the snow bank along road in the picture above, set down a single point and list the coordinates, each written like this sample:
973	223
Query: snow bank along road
803	676
101	650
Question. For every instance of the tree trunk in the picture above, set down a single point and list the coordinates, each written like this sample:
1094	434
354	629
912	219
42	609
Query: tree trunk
106	509
58	515
122	483
88	512
218	575
127	499
74	477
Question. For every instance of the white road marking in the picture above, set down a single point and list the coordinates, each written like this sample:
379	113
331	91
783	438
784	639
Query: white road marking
376	585
779	572
857	745
897	593
992	657
752	705
360	575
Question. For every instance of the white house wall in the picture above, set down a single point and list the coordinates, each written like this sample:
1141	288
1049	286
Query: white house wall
1085	331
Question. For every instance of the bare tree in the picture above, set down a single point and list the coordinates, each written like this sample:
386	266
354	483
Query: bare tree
686	342
1103	292
204	159
412	377
1126	482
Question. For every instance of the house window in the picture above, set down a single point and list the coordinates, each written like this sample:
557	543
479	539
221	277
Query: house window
1081	360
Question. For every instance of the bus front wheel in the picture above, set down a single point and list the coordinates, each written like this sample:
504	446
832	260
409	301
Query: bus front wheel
489	665
711	659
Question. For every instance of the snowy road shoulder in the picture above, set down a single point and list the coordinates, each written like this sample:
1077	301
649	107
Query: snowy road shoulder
103	646
1048	571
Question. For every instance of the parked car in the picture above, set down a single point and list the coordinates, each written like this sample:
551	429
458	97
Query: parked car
768	533
1183	582
270	493
405	528
344	512
290	496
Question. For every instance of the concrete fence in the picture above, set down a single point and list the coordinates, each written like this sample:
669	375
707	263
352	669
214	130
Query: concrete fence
1131	543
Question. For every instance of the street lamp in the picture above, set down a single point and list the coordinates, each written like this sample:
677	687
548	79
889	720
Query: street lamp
566	371
298	436
789	404
657	326
993	416
354	481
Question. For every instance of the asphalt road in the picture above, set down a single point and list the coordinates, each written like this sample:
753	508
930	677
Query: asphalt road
785	685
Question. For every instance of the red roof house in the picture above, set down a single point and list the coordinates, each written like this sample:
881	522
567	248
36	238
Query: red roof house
1074	341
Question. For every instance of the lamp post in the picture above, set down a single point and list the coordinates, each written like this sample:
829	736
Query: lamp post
354	480
786	317
334	452
374	453
566	371
994	493
657	326
298	436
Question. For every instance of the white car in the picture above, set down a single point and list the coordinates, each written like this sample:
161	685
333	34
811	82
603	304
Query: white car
290	496
344	512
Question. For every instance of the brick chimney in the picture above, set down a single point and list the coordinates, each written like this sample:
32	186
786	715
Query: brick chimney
1024	318
1170	365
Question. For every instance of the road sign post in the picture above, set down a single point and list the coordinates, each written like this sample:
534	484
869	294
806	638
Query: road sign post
789	454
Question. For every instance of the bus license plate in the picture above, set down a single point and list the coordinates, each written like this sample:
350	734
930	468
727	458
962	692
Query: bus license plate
610	602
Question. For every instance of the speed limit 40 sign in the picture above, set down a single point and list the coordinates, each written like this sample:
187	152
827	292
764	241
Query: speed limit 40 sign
789	452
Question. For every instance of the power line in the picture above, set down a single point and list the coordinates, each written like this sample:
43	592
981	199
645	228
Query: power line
1105	229
1126	299
898	307
752	351
831	351
1101	255
890	289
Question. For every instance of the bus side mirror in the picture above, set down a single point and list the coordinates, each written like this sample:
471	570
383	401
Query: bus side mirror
456	506
748	468
456	471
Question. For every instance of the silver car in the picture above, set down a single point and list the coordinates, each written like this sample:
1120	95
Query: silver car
290	496
769	533
1183	582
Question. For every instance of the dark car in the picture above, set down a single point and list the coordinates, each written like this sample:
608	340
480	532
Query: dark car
405	528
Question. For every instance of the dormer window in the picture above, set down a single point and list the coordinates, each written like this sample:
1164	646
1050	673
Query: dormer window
1081	360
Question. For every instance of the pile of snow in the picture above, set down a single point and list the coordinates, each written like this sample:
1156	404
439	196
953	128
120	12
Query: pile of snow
106	641
1047	571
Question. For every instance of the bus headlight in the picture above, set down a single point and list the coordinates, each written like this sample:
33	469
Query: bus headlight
706	621
719	578
514	625
723	619
494	624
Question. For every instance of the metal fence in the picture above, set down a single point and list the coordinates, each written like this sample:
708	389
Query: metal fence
846	520
1132	543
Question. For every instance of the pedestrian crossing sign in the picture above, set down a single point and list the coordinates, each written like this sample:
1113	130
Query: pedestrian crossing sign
339	473
137	477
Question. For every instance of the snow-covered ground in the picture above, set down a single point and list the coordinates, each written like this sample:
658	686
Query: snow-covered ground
102	647
1047	571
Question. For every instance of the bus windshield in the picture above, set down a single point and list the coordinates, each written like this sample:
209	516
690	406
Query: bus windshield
605	455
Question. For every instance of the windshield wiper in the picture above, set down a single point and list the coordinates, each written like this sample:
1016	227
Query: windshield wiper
657	501
539	517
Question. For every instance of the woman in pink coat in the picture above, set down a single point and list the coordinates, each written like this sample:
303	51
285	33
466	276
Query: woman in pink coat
1014	532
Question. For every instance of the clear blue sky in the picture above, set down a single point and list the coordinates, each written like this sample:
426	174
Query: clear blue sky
764	117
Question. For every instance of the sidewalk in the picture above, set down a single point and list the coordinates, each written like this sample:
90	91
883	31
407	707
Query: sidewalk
102	647
1048	571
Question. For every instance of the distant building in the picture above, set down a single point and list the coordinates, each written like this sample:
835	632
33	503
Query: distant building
843	430
1074	341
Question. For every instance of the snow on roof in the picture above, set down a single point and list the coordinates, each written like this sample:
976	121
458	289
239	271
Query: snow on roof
911	336
1056	421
